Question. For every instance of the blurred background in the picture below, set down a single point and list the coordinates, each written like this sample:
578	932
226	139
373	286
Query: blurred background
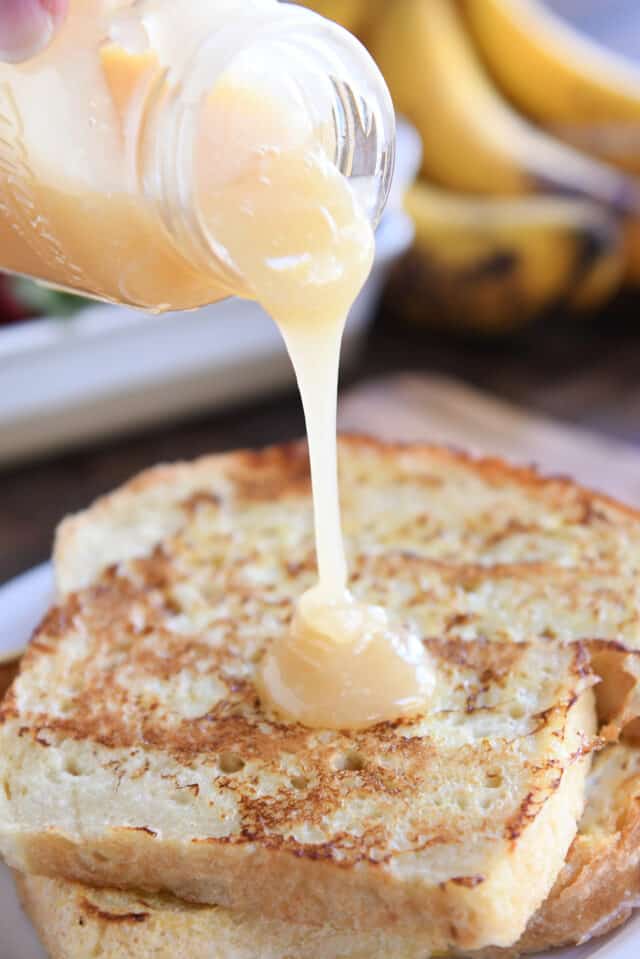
508	262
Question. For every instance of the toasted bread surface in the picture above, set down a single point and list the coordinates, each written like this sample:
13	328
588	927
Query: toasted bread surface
599	886
75	922
135	714
471	547
430	501
596	891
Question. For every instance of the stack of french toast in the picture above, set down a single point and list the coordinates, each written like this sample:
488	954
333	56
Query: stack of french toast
150	808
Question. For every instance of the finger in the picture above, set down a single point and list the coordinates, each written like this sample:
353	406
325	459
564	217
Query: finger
27	26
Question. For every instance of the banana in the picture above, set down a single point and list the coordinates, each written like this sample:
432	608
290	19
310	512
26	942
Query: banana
494	264
358	16
473	140
352	14
573	86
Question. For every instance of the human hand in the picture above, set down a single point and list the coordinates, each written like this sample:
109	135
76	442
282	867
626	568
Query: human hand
27	27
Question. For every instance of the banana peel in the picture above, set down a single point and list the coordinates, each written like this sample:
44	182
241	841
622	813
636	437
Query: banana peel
494	265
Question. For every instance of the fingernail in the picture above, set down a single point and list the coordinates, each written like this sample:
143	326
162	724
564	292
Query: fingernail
26	28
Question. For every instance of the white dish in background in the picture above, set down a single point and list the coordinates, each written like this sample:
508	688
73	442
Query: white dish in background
22	603
110	369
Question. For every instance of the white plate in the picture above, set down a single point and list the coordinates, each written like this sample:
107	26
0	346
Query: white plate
22	602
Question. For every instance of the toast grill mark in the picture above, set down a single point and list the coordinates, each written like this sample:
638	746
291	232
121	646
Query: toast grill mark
90	907
203	499
529	809
469	882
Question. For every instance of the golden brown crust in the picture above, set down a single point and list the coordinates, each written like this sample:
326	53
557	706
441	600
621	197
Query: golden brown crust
599	886
600	896
596	891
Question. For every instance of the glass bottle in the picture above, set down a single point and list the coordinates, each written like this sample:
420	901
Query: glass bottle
128	145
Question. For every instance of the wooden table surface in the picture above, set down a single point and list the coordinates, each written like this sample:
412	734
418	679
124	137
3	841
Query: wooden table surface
587	373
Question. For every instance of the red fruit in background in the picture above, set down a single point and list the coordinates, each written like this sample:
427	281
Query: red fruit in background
11	309
21	299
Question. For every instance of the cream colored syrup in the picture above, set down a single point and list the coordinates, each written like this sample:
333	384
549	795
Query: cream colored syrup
345	665
342	664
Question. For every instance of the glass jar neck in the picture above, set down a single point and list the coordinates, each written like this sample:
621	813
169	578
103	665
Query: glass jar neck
322	74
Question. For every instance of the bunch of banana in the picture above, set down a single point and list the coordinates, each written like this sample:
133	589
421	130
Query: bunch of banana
527	198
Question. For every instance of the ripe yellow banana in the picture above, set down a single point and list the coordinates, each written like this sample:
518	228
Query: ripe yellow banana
352	14
494	264
588	95
473	140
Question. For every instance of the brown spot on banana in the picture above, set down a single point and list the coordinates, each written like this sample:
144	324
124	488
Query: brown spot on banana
599	266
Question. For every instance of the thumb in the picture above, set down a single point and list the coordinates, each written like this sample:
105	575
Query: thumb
27	27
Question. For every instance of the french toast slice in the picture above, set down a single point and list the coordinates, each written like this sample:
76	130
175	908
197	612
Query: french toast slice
595	892
134	752
599	886
473	546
